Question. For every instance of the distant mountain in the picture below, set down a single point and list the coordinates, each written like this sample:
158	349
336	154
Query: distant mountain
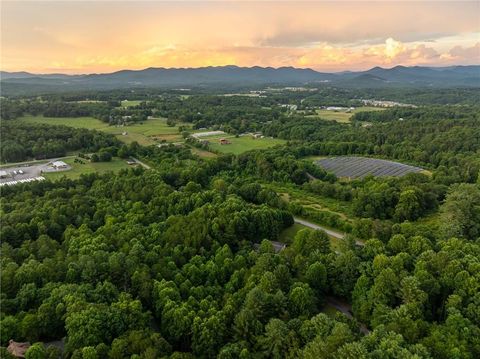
237	77
4	75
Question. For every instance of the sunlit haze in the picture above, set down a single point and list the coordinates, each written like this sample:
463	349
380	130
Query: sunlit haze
86	37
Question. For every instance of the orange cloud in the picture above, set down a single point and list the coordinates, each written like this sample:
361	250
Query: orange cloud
107	36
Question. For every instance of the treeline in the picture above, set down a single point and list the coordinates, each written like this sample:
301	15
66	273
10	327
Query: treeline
235	114
11	109
421	113
22	141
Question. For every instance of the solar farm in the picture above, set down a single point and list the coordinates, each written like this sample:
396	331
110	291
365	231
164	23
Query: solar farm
359	167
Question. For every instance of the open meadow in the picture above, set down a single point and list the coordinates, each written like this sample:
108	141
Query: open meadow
342	116
149	132
130	103
241	144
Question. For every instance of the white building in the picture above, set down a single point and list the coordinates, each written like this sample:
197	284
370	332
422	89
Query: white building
59	165
4	174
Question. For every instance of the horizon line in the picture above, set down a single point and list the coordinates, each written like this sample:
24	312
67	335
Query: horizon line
231	65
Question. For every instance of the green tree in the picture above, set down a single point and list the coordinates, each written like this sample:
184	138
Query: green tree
460	214
36	351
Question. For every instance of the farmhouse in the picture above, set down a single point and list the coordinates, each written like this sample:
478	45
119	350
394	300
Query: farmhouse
17	349
224	141
59	165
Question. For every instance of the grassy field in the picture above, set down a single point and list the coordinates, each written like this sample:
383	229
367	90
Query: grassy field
114	165
149	132
313	201
146	133
130	103
341	116
242	144
202	153
78	122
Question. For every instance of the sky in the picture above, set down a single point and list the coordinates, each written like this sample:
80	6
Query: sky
105	36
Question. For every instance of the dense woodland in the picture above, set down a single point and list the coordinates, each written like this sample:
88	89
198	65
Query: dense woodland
176	261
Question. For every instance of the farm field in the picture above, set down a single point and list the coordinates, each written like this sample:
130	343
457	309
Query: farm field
116	164
144	133
130	103
242	144
359	167
77	122
341	116
202	153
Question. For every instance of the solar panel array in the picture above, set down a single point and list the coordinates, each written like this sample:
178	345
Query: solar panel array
11	183
359	167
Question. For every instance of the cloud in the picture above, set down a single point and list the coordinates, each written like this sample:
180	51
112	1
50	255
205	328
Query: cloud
107	36
465	53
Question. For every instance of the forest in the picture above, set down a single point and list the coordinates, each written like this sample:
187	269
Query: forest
21	142
178	261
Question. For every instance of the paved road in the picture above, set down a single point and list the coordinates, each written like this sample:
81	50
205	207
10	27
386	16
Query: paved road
33	162
144	165
330	232
335	234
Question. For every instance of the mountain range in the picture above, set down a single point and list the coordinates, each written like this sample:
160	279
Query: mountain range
237	77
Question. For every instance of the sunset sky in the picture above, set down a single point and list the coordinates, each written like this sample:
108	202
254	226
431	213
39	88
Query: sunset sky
93	36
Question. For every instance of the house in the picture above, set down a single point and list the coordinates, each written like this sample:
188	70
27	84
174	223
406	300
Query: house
17	349
59	165
224	141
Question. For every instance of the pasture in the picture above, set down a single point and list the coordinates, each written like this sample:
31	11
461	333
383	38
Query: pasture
77	122
241	144
116	164
146	133
130	103
359	167
341	116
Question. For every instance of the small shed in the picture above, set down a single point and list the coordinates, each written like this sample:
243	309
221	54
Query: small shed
17	349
